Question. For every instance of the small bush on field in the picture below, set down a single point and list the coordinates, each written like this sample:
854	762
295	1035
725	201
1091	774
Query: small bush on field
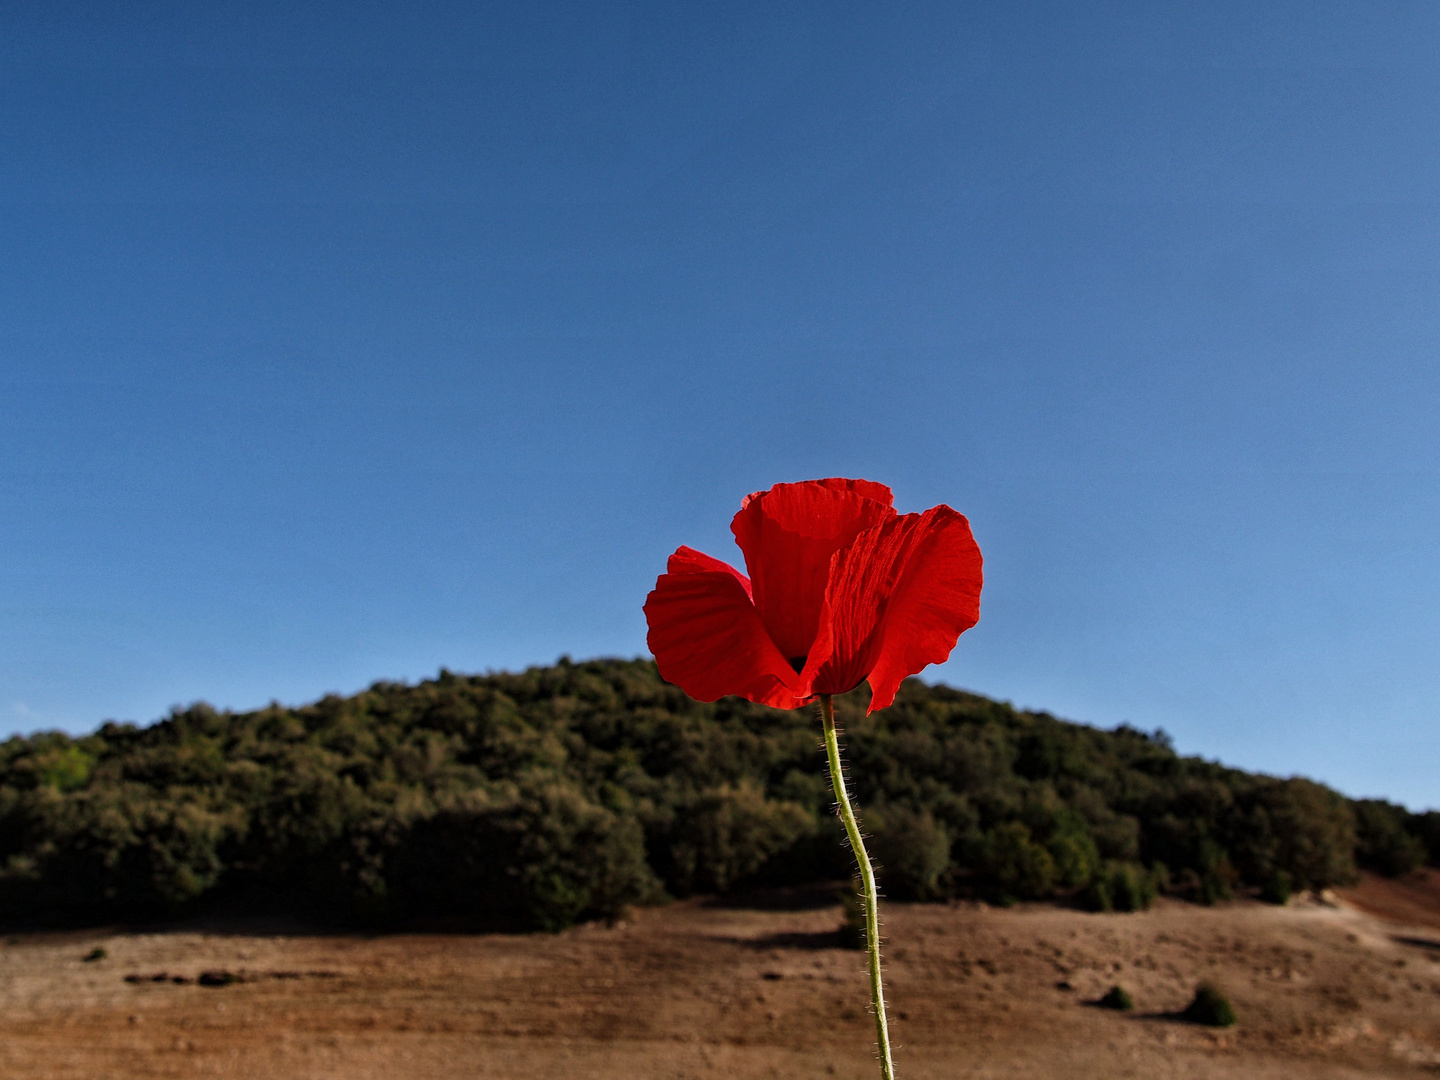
1122	887
1209	1007
1277	889
1117	999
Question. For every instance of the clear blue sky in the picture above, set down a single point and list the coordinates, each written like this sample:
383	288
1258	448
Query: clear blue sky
342	342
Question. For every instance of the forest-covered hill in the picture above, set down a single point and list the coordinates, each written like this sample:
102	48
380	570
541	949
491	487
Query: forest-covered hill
566	792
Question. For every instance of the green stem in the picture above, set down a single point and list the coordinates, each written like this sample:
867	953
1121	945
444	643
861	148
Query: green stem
867	877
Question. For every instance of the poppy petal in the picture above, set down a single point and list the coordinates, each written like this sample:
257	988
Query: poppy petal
899	598
687	560
880	493
788	535
707	637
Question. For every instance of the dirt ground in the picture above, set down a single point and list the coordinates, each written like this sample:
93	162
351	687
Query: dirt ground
701	989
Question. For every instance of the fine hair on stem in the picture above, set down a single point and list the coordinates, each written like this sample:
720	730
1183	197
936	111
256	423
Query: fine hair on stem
867	883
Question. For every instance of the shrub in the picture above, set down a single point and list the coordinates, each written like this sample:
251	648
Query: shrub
1122	887
912	851
1075	856
1018	865
1209	1007
1383	843
535	798
1215	887
539	860
1276	889
1426	828
1131	887
67	769
114	851
1117	999
726	833
1096	896
1314	832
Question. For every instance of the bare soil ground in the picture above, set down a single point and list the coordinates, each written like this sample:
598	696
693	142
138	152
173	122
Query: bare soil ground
1413	899
700	989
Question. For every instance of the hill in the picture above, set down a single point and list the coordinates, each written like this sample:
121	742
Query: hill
536	799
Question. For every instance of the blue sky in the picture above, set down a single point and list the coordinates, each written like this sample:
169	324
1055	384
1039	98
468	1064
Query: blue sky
343	342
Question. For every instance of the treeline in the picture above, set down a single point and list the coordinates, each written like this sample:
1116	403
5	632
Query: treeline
561	793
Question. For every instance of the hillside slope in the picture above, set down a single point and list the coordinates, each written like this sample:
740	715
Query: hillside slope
539	798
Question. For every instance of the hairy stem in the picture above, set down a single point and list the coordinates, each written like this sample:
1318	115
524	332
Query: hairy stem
867	878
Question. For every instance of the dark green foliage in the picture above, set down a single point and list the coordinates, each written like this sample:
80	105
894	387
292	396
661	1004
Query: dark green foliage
1384	844
539	798
1009	856
1311	832
1118	999
536	860
1123	886
724	834
911	850
1426	827
1096	896
1296	827
1209	1007
1276	889
1132	887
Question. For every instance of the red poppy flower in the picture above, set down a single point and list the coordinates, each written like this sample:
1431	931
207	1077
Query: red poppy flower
842	589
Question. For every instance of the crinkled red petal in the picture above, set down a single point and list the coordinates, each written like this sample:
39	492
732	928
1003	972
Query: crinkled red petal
788	535
899	598
687	560
707	637
868	488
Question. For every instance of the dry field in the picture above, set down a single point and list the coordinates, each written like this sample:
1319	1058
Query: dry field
703	990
